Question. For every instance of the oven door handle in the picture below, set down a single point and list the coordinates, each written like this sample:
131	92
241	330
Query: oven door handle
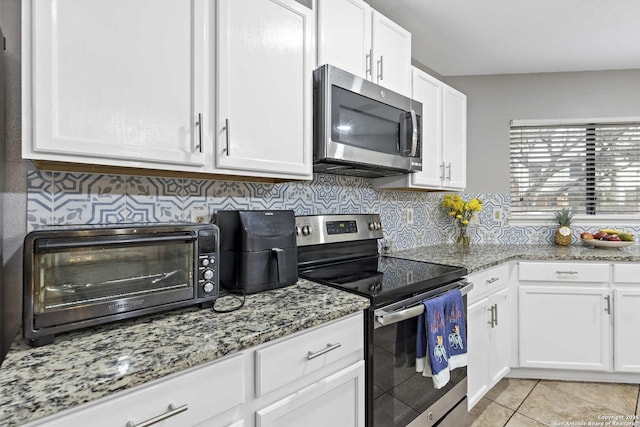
383	318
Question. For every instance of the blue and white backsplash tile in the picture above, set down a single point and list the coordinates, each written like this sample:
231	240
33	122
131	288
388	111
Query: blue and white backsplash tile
56	198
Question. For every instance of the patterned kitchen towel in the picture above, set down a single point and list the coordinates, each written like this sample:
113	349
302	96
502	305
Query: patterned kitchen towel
455	329
434	333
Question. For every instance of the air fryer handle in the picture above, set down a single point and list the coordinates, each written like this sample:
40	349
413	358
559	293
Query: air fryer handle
281	264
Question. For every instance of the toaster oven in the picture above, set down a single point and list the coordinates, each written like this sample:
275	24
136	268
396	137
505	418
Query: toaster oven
75	277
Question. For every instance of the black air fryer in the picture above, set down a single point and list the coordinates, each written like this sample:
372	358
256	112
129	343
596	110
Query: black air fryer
258	249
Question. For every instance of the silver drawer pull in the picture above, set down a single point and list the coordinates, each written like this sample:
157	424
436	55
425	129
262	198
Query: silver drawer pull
493	279
173	410
566	272
328	348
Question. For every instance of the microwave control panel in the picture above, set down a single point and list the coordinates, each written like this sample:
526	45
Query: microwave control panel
208	260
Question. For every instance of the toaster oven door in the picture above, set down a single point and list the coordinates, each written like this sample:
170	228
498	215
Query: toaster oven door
81	278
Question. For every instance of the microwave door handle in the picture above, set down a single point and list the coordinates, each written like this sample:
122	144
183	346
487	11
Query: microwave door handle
414	133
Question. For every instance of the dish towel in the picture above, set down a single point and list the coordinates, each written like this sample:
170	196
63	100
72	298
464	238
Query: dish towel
431	352
454	329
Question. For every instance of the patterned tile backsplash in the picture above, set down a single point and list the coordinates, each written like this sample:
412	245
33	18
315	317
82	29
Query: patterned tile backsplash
59	198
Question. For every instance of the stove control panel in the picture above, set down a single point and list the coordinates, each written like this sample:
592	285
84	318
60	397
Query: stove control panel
317	229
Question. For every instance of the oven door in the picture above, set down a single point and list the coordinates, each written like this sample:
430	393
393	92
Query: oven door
361	122
402	396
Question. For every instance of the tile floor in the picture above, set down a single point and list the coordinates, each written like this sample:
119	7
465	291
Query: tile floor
537	403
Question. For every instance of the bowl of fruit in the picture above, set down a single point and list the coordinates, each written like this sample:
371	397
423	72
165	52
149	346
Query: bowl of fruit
608	238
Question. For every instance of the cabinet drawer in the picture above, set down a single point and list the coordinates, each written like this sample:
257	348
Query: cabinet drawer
291	359
626	273
563	272
487	280
206	392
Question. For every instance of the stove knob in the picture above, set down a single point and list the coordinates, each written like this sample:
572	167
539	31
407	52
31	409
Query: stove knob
208	275
297	230
306	230
205	262
372	226
378	226
208	287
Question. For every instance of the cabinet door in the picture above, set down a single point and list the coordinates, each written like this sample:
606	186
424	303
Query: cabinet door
428	91
264	87
478	328
116	80
337	400
454	138
344	35
564	328
500	337
625	330
391	54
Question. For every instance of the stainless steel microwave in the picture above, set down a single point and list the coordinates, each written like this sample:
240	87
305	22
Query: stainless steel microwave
363	129
82	276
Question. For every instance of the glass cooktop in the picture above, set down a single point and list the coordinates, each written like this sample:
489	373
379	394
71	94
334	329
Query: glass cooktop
384	279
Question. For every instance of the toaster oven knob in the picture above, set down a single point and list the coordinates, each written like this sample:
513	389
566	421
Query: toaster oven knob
208	275
208	287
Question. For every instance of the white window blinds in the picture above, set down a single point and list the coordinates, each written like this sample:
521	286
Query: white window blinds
592	168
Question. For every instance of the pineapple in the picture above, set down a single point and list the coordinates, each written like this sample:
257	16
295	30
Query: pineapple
562	236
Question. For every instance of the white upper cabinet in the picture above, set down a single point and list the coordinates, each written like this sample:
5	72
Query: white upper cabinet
344	35
112	82
443	138
391	53
354	37
454	138
264	88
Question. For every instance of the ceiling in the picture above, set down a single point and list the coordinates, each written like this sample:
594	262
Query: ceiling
474	37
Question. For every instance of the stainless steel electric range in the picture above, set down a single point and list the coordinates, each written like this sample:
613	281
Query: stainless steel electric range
342	251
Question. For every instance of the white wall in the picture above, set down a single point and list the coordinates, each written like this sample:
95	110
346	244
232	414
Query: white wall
492	101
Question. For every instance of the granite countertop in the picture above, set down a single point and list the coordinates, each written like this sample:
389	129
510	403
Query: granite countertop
84	365
480	256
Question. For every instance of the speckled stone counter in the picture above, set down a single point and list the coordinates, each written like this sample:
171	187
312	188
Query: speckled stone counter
479	256
85	365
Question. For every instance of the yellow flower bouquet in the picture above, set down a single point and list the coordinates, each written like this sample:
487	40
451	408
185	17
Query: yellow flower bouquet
463	212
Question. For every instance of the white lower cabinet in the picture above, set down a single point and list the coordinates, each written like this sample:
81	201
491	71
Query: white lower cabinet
626	317
489	317
324	388
564	327
489	342
337	400
197	397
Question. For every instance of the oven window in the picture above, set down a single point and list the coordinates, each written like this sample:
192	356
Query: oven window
362	122
98	274
401	393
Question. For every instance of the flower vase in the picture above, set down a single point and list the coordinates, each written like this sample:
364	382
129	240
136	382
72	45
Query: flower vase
463	240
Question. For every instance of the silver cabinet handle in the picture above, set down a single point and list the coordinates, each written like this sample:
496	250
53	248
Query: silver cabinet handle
369	64
496	312
173	410
227	131
442	169
491	309
566	272
608	309
449	174
492	280
311	355
380	68
199	124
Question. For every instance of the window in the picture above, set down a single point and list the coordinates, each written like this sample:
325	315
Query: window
592	168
